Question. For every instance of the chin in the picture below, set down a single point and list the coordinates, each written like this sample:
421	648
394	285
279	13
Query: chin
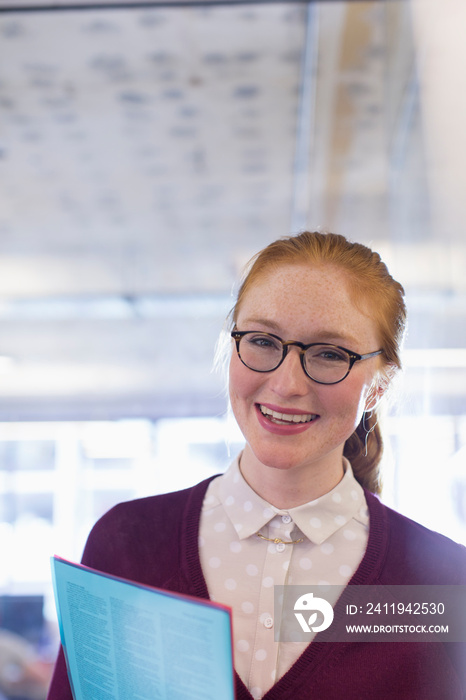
280	459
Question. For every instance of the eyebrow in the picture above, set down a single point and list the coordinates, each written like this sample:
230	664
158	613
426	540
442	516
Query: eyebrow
263	322
326	336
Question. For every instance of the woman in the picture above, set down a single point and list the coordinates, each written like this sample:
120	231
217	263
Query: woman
316	333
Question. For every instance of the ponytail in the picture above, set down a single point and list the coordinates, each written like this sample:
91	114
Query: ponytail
364	450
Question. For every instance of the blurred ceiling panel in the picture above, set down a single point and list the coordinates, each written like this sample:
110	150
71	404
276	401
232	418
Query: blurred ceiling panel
146	152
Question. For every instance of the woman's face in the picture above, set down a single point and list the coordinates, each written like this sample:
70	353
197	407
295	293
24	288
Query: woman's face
309	305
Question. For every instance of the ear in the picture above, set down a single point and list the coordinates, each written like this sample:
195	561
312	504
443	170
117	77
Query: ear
376	392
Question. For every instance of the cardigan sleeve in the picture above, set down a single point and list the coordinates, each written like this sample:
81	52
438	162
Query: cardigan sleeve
60	686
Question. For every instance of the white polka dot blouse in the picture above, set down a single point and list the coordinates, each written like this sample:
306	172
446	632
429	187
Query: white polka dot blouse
241	568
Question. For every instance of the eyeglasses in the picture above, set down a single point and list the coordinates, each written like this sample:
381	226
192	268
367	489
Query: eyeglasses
322	362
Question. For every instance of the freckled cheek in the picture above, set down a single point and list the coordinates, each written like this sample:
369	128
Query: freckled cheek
243	382
351	405
345	400
244	390
234	378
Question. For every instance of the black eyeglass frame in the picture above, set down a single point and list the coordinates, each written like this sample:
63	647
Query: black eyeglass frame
303	347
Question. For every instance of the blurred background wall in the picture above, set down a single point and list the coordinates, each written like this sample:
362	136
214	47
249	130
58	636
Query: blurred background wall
147	150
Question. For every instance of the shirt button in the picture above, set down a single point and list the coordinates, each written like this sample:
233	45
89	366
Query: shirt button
286	519
280	547
268	622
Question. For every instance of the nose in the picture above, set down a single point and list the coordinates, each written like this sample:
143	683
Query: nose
290	379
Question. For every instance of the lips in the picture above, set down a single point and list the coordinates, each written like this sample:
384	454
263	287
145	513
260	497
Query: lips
279	418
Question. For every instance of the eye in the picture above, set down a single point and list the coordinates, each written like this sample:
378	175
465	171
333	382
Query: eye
261	341
328	353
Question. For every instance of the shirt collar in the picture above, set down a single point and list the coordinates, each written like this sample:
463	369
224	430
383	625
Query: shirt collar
317	520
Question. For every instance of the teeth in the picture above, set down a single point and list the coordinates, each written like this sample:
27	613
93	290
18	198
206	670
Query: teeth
287	417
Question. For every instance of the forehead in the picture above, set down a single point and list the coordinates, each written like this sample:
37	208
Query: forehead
306	302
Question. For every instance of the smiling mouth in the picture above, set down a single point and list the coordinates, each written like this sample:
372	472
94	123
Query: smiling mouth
286	418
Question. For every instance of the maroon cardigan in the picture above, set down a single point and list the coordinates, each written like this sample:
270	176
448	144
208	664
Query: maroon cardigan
154	541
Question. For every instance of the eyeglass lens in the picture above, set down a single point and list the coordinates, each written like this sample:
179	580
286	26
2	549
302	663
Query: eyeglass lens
324	363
